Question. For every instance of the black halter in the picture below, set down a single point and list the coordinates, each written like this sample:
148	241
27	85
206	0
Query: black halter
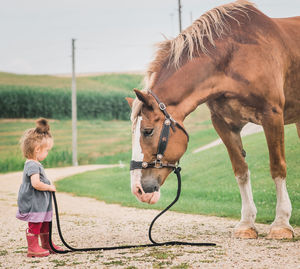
163	140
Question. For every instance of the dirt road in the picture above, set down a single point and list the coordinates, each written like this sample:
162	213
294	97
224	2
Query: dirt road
87	222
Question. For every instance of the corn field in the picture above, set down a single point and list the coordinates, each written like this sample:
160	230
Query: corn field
17	101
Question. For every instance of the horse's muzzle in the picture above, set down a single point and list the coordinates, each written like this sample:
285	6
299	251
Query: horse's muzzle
150	185
149	194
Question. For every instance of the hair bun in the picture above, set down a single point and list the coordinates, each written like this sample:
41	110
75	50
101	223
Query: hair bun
42	126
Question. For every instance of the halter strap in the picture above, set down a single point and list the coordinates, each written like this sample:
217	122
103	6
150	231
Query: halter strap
163	108
143	165
161	105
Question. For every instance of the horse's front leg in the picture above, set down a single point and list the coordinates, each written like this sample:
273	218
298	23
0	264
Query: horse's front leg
233	142
274	132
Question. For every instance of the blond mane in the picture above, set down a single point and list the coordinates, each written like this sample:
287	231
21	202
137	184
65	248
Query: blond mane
193	38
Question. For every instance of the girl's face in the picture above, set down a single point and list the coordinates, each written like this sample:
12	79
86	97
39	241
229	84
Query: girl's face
43	150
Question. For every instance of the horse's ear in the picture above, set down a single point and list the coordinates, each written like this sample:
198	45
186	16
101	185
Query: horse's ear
129	100
143	97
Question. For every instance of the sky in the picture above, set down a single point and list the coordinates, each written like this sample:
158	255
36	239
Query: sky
111	35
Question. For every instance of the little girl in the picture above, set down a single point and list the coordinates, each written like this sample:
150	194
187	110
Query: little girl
34	199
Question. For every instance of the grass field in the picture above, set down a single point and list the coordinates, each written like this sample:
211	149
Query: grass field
99	141
96	139
208	183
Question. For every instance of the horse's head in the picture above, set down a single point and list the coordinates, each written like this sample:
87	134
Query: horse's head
158	142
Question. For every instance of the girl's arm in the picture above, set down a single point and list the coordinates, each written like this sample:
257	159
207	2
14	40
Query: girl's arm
40	186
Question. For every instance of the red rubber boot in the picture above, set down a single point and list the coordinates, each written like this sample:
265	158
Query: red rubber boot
34	250
45	243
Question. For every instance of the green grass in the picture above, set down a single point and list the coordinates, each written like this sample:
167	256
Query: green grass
99	141
208	184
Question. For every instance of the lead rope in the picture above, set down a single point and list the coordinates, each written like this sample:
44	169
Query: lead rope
154	243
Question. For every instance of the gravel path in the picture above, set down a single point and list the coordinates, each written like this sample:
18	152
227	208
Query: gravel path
87	222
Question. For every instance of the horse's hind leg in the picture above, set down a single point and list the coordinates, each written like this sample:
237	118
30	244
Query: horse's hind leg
298	128
233	142
274	132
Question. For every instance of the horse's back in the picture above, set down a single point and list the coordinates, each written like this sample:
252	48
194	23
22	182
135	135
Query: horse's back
277	52
290	33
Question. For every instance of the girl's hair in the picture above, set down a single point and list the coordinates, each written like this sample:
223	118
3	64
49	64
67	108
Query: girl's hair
35	137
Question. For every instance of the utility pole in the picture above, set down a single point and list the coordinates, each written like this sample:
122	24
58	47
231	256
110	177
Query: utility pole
74	109
179	15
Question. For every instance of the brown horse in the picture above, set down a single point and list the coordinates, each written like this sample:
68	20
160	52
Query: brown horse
246	67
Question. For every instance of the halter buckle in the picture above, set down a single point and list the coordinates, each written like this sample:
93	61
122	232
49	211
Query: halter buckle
167	122
144	164
162	106
158	164
159	157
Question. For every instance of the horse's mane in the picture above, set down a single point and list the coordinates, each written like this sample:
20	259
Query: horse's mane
210	24
191	40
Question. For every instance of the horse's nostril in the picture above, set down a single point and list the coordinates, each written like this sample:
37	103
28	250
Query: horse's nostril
140	192
156	188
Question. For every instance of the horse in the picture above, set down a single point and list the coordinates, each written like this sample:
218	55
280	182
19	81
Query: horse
246	67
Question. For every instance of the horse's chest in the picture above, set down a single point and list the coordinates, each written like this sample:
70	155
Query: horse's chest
234	112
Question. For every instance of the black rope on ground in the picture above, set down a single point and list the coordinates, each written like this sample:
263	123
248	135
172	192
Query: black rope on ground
154	243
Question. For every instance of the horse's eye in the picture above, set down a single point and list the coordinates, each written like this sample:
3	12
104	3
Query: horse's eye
148	132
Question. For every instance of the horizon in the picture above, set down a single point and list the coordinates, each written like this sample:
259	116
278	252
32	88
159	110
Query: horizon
83	74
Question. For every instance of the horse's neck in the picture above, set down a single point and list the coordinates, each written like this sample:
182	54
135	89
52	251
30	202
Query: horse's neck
189	87
180	105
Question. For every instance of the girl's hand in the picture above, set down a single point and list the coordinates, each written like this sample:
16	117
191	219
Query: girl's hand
40	186
52	188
